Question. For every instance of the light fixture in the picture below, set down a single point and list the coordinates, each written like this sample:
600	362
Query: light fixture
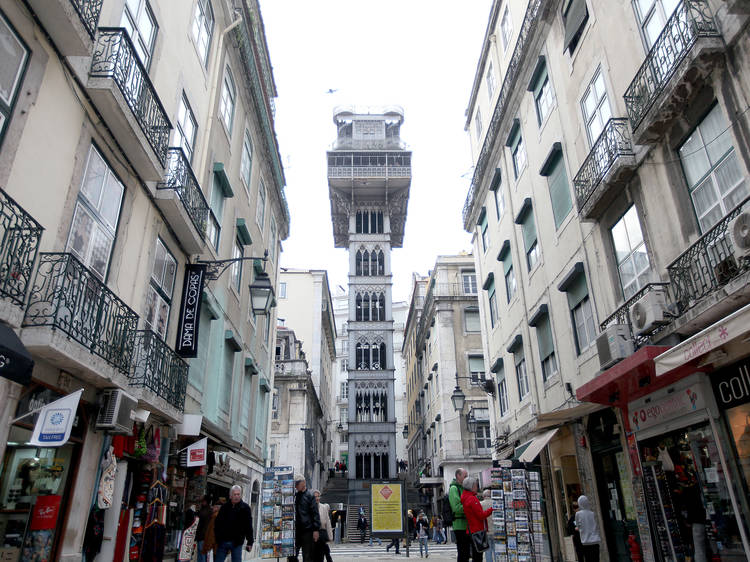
458	397
261	293
406	431
340	427
471	422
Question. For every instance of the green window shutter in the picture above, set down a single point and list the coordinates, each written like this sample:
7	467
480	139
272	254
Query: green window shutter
559	191
476	364
528	226
542	76
507	263
491	289
577	291
544	337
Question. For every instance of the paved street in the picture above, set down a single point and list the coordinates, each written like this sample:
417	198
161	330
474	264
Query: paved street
341	552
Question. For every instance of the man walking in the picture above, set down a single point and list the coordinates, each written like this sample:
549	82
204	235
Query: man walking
234	524
307	519
463	538
362	527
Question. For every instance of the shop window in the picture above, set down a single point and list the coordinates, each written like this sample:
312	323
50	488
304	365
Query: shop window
595	107
203	27
161	287
633	265
140	23
15	55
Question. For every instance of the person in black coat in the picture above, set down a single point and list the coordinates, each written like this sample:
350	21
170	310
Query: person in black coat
234	525
362	527
573	532
307	520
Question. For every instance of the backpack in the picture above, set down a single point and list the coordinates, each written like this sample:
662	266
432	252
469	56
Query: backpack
447	511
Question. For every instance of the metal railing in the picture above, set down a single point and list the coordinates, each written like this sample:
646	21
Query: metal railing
708	264
88	12
690	21
69	297
181	179
622	314
159	369
531	21
369	171
115	57
613	142
20	234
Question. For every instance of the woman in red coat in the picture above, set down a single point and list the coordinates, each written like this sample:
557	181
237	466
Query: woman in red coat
476	517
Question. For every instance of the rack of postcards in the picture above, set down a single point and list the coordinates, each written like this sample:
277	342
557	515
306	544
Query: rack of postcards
277	513
517	519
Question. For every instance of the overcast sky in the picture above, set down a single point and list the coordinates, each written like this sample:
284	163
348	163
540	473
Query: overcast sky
418	54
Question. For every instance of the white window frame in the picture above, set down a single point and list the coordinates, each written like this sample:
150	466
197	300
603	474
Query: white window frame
272	243
522	377
282	290
640	277
499	203
491	81
472	310
238	251
228	100
160	290
478	123
545	100
202	29
144	47
655	11
502	397
511	285
9	95
506	29
246	161
601	112
519	157
186	128
469	282
260	211
583	323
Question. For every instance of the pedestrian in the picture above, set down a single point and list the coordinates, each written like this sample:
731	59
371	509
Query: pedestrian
411	524
476	516
307	520
234	525
589	530
204	518
440	531
394	542
423	527
337	531
573	532
486	504
209	540
322	550
463	540
362	527
433	529
373	538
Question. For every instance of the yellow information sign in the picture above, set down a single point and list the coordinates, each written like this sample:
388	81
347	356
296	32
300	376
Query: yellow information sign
386	508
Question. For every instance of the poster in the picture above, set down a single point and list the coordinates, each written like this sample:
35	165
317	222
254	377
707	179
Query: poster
386	508
277	513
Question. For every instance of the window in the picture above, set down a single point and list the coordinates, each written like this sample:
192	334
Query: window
343	414
272	242
138	20
471	320
653	15
260	212
344	365
630	251
203	27
559	192
469	283
13	58
506	29
595	107
161	287
491	81
225	383
476	369
186	126
478	124
216	212
246	162
484	230
484	442
518	152
522	378
267	330
499	202
544	96
492	301
282	290
237	252
247	385
510	278
369	222
275	403
575	14
714	177
96	215
546	347
502	396
226	102
528	229
581	312
344	390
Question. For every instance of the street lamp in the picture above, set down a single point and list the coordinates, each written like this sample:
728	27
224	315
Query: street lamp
458	398
261	290
406	431
471	421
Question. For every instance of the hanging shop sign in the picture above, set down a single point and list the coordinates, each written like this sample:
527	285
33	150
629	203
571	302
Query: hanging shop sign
197	453
386	508
679	403
732	384
190	310
52	428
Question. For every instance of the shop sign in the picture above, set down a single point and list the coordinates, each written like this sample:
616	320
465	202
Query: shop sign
55	421
680	402
732	384
190	310
45	513
196	453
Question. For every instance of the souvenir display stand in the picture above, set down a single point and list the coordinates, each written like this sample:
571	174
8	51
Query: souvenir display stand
277	513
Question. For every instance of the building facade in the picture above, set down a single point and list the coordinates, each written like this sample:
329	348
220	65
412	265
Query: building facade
135	139
610	185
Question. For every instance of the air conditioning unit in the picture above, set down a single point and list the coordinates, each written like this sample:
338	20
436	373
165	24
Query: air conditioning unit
613	345
739	234
649	312
116	411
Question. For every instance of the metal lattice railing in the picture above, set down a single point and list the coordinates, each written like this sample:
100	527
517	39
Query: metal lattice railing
159	369
613	142
708	264
369	171
181	179
69	297
690	21
622	314
19	242
115	57
88	11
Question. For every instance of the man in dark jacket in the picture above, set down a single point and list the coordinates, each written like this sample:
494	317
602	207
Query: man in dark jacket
307	519
234	524
204	516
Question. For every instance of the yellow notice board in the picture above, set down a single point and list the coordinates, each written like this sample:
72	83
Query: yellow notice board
386	508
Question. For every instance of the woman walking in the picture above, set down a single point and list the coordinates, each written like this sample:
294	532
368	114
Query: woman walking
320	548
476	517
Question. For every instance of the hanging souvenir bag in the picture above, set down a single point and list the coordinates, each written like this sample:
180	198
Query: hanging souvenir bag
106	492
140	443
153	445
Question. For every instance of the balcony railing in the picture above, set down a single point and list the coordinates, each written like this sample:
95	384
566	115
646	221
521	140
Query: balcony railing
613	142
69	297
690	21
622	314
19	243
159	369
181	179
708	264
115	57
369	171
88	11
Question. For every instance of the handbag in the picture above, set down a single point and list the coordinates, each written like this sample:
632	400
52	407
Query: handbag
323	535
480	540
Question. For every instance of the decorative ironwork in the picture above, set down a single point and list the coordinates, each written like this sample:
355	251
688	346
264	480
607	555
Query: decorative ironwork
214	268
159	369
531	22
181	179
69	297
115	57
708	264
19	243
690	21
613	142
369	171
88	12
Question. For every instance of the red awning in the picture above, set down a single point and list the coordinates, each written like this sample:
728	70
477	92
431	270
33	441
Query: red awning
631	378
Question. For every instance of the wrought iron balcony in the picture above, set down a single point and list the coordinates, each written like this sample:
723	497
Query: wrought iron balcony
708	264
115	59
622	314
690	22
156	367
611	156
88	11
70	23
69	297
181	199
19	243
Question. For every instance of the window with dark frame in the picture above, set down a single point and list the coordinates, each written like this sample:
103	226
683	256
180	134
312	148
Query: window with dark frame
15	55
139	22
575	14
160	290
476	369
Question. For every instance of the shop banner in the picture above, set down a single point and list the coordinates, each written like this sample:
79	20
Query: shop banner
190	310
732	385
55	421
386	508
45	513
197	453
681	402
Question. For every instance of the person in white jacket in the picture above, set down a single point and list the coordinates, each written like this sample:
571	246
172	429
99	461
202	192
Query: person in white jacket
588	528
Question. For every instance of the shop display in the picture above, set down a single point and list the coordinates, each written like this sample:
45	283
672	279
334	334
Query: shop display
668	539
277	513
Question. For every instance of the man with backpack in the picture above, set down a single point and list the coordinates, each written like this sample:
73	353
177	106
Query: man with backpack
463	538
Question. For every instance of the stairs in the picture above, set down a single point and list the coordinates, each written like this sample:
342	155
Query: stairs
336	490
352	515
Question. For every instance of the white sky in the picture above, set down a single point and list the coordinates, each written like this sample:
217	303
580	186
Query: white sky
418	54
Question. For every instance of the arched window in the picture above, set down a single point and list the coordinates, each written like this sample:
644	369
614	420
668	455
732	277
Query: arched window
381	307
366	312
374	262
366	263
358	308
359	356
359	222
380	222
358	263
381	263
381	349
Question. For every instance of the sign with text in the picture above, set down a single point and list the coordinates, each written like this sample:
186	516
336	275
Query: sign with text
190	310
682	401
52	427
732	384
197	452
386	502
45	513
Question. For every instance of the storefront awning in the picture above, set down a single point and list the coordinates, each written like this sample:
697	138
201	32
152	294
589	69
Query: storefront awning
16	363
536	445
561	417
696	347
